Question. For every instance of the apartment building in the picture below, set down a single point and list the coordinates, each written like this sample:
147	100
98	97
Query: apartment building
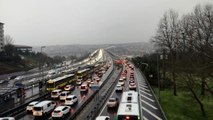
1	36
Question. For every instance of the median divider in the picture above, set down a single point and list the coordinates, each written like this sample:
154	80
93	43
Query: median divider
22	108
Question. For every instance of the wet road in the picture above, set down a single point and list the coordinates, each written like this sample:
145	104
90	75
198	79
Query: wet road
112	112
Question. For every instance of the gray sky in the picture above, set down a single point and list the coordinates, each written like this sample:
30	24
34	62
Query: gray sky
59	22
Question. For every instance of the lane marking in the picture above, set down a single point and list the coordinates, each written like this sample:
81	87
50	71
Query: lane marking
143	86
158	118
145	89
145	118
147	98
149	104
145	93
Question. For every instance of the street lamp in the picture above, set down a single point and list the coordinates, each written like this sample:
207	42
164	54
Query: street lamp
41	67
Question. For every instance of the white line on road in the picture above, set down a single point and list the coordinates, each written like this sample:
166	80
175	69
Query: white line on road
147	98
145	92
158	118
143	86
145	118
149	104
145	89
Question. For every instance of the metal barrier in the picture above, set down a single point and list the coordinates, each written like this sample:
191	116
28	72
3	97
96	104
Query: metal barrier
21	108
90	98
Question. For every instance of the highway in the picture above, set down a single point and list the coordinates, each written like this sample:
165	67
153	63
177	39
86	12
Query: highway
81	98
149	108
111	112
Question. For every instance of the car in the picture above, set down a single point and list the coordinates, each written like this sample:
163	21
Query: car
88	81
121	82
60	112
112	102
7	118
56	93
31	105
118	88
131	81
124	78
102	118
71	99
83	88
63	95
69	87
132	86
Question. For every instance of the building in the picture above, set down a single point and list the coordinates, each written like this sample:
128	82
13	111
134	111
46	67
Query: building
1	37
23	48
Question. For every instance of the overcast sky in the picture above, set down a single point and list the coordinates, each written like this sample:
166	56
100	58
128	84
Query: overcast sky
59	22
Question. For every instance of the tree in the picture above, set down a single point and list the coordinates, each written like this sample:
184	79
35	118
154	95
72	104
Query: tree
167	37
8	40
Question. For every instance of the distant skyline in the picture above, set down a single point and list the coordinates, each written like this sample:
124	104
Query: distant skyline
61	22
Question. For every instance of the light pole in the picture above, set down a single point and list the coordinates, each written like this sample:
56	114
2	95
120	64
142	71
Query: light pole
41	67
158	77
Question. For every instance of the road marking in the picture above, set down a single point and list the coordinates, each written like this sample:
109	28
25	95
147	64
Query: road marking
145	93
147	98
145	118
149	104
143	86
145	89
158	118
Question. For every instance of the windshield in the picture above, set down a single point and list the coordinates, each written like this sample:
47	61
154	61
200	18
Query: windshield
37	108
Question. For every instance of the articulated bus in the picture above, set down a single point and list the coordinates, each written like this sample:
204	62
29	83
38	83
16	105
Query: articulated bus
82	75
60	82
129	107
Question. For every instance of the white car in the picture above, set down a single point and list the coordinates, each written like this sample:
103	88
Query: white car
112	102
56	93
63	95
60	112
31	105
103	118
7	118
71	99
119	88
121	82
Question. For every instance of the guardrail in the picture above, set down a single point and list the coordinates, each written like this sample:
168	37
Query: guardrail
161	110
97	107
91	97
21	108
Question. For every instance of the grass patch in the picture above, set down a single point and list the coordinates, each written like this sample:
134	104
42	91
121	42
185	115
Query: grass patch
184	107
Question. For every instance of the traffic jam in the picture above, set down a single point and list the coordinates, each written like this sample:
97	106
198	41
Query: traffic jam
66	100
123	102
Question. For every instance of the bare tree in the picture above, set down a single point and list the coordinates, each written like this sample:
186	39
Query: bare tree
167	36
8	40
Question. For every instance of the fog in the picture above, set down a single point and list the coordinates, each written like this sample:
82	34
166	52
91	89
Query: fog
60	22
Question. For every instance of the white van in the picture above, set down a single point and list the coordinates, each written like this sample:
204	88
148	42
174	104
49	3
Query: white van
63	95
43	108
56	93
71	99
